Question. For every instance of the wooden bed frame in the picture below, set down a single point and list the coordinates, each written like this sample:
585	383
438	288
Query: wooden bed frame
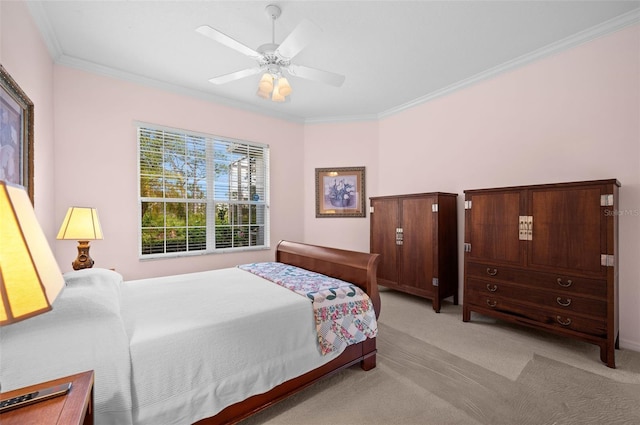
355	267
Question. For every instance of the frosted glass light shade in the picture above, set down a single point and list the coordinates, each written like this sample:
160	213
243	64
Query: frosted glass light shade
283	87
276	96
266	83
30	279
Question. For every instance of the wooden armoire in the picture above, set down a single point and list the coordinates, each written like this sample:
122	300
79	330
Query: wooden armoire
546	256
416	237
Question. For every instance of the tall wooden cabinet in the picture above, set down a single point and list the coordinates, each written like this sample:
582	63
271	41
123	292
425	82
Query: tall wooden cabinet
546	256
416	236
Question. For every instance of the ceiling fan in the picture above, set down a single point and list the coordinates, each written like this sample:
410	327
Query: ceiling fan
274	59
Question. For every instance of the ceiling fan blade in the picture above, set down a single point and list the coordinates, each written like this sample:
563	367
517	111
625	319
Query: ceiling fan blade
302	35
316	75
224	39
222	79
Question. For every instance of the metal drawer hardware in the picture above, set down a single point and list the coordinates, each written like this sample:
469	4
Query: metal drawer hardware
491	288
399	236
606	200
566	285
491	303
566	303
607	260
525	227
492	272
565	322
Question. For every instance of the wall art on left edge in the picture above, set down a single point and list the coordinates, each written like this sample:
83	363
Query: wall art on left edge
16	134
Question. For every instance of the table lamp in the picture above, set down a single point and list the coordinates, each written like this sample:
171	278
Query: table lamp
81	224
30	279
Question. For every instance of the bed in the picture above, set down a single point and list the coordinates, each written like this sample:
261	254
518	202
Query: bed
209	348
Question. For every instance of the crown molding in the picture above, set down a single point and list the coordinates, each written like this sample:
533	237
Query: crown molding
48	35
150	82
342	119
605	28
615	24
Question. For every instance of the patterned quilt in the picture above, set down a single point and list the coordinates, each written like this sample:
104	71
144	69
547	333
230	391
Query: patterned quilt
343	313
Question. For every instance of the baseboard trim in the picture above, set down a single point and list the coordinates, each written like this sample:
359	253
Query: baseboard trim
630	345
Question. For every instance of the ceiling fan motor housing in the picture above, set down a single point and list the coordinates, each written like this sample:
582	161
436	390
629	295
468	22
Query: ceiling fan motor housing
270	60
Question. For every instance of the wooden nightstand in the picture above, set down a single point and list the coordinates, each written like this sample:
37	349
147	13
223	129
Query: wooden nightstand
74	408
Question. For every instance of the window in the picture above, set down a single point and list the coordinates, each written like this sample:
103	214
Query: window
201	193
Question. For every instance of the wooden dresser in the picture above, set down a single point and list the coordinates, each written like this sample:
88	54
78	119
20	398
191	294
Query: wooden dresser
417	238
546	256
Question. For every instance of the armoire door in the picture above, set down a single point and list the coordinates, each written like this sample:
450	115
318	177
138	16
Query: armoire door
385	219
493	227
418	247
569	229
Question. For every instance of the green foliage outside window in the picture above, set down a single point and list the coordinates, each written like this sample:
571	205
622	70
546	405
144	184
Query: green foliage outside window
176	191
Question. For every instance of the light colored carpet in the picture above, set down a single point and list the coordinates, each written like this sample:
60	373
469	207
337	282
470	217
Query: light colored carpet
435	369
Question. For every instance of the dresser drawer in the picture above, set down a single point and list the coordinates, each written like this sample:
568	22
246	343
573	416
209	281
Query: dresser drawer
559	300
571	284
562	320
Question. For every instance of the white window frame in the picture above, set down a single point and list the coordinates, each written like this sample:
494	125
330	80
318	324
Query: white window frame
215	194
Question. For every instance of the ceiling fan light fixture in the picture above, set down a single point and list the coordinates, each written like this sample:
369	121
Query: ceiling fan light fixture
274	86
276	96
266	83
283	87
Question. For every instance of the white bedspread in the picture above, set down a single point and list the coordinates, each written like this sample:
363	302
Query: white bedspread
202	341
83	332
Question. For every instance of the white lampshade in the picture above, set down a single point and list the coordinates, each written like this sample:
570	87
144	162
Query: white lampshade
266	83
276	96
80	224
283	87
30	279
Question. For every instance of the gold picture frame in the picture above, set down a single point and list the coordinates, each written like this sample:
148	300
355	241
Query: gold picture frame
16	134
340	192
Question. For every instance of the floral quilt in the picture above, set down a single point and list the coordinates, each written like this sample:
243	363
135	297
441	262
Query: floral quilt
343	312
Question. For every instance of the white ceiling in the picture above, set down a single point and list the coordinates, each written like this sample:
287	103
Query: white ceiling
394	54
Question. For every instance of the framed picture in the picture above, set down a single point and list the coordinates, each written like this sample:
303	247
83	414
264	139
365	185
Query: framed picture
340	192
16	134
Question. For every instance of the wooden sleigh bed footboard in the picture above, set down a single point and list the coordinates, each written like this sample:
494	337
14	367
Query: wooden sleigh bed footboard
351	266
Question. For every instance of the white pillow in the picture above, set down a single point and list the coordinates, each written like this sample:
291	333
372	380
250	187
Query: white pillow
98	286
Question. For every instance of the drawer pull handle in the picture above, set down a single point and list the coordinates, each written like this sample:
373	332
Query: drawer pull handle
492	272
563	322
565	285
492	288
566	303
491	303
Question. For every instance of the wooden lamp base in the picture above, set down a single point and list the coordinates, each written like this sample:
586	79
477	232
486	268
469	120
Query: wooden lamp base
83	261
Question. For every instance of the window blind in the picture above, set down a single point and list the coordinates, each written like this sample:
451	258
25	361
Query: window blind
201	193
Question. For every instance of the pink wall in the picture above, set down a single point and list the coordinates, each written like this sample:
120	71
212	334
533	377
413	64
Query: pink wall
25	56
572	116
339	145
96	165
